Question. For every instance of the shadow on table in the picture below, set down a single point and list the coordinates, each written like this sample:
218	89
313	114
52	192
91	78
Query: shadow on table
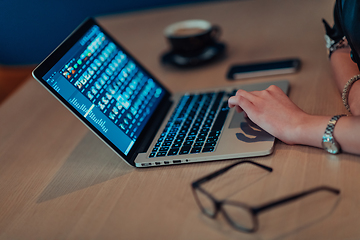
91	163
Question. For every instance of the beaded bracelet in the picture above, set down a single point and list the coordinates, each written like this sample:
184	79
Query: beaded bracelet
346	90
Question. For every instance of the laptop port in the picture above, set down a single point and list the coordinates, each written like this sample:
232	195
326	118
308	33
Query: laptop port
157	163
177	161
166	162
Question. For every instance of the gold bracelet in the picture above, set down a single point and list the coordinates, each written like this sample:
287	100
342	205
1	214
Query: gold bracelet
346	90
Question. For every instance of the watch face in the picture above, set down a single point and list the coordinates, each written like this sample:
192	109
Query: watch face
330	147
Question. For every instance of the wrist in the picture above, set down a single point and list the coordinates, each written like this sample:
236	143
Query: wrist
311	130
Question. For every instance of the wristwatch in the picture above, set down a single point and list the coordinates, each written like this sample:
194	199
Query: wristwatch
328	141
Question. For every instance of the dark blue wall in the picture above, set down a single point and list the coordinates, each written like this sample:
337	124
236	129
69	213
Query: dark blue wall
31	29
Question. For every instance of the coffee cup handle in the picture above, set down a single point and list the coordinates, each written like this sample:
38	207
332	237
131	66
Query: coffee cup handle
215	32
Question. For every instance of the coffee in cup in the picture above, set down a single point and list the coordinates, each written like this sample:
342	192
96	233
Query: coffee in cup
191	37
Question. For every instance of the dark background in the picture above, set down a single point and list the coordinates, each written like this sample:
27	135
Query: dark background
31	29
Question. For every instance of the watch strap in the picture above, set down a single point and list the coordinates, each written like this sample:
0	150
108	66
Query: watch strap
328	136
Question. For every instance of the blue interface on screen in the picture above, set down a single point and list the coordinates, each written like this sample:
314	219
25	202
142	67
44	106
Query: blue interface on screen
106	87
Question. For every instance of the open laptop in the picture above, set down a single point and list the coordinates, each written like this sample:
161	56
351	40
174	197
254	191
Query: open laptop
136	116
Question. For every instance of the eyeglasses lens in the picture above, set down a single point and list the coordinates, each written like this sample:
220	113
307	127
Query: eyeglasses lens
205	202
239	216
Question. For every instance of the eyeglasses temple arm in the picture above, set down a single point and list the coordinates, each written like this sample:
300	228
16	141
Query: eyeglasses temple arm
293	197
221	171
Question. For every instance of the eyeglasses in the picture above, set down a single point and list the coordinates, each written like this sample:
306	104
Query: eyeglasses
239	215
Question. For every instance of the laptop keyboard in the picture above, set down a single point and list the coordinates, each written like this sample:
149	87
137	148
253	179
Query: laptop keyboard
194	126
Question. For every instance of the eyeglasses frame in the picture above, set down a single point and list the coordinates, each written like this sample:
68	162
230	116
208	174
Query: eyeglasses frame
254	211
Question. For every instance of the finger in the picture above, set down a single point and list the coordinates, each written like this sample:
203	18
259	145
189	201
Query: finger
256	93
237	108
274	92
248	95
233	101
242	104
231	104
274	89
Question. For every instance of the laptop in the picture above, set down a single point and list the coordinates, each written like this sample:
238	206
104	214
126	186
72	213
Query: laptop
131	111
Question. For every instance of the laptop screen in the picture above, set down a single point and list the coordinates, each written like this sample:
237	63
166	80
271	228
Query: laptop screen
106	87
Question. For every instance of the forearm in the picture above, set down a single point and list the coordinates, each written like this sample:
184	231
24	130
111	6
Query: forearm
344	69
346	132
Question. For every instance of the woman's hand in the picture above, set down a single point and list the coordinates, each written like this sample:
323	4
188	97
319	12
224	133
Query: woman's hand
273	111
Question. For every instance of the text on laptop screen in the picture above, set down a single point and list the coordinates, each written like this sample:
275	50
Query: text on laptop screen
106	87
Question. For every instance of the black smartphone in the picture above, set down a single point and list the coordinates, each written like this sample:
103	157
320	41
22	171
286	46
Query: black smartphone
261	69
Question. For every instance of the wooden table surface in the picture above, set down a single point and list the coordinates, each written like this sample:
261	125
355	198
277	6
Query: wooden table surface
58	181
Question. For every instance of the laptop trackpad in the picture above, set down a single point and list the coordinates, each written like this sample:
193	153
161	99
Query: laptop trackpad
249	131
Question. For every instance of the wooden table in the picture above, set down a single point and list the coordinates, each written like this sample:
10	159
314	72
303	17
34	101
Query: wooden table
58	181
